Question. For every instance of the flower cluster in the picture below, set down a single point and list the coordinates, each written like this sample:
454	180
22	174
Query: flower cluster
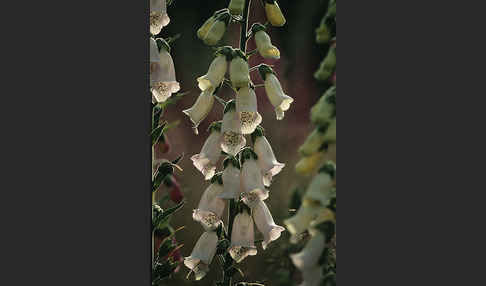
317	212
247	170
165	249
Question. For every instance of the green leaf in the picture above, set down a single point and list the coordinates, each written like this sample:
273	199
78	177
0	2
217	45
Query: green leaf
164	169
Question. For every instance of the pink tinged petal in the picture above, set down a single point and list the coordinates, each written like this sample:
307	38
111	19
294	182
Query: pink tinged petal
251	176
231	183
202	254
242	237
265	223
266	159
210	153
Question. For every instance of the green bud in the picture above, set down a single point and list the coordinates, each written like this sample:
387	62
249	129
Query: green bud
257	27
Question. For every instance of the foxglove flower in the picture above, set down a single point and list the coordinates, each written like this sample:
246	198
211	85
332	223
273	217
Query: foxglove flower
162	75
233	140
204	29
320	188
274	14
158	16
309	164
242	237
251	177
217	29
309	256
231	178
210	207
201	108
312	276
280	101
265	224
246	107
308	211
154	52
327	65
236	7
239	71
315	140
206	160
217	69
264	43
266	158
325	109
202	254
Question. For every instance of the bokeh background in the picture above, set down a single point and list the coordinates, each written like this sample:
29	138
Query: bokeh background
300	57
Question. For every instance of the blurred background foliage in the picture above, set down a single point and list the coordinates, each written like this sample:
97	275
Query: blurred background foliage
300	58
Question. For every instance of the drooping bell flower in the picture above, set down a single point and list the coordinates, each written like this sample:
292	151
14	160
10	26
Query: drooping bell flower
312	276
206	160
280	101
309	164
238	70
274	14
217	69
251	176
265	223
210	207
154	51
201	108
325	109
204	29
158	16
236	7
233	140
264	43
162	75
321	186
246	107
327	65
217	29
266	158
202	254
307	212
309	256
242	237
231	178
314	141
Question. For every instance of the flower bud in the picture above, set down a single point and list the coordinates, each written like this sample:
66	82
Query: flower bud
327	65
231	178
233	140
206	160
210	207
217	29
236	7
274	14
242	237
217	69
266	158
158	16
202	254
246	107
325	109
265	224
280	101
162	75
239	71
263	42
201	108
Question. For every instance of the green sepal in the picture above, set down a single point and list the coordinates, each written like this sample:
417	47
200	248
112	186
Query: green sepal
259	132
164	169
215	126
162	44
247	153
256	27
263	70
231	160
218	177
329	168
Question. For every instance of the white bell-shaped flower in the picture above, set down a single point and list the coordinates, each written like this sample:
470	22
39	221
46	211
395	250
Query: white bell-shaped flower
265	223
239	70
162	75
217	70
246	107
217	29
266	158
201	108
158	16
280	101
264	43
231	179
325	109
204	29
251	175
236	7
309	256
312	276
242	237
308	211
321	186
154	51
210	207
210	153
202	254
233	140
